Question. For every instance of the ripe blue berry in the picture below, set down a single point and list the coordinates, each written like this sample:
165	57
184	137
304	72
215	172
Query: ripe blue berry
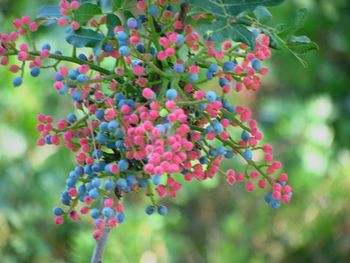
154	10
107	212
94	193
35	72
256	64
123	165
248	154
71	118
122	36
210	96
113	126
171	94
108	185
58	211
82	78
17	81
95	213
108	47
124	51
122	183
162	210
156	179
213	68
228	66
179	68
150	209
132	23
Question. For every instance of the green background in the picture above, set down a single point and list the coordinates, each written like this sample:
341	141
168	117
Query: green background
305	114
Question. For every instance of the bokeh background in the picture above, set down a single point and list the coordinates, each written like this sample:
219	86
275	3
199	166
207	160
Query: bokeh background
305	113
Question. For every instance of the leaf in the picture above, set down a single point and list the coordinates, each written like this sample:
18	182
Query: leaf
106	6
226	23
299	39
112	21
85	12
262	14
230	8
301	48
49	12
297	23
128	14
221	31
47	15
84	38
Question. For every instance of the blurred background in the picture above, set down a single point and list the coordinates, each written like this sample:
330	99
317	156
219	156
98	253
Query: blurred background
305	114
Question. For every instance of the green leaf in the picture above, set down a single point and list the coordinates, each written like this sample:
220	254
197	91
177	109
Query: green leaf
128	14
106	6
231	8
300	19
49	12
112	22
47	15
84	38
86	11
220	31
301	48
262	14
226	23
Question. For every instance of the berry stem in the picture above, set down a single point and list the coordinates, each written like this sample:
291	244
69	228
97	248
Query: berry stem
100	247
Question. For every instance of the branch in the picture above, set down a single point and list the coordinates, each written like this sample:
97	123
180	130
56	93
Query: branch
100	247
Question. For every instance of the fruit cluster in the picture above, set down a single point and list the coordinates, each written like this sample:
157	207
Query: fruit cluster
142	121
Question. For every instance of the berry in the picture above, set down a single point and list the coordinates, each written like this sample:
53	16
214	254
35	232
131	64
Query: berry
124	51
17	81
150	209
210	96
132	23
162	210
171	94
123	165
35	72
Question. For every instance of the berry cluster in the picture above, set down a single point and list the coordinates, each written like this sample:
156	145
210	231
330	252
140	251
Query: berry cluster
144	124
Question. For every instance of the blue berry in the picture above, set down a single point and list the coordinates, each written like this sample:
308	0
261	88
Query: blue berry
58	211
223	82
100	114
94	193
82	78
95	213
210	96
171	94
180	40
162	210
245	136
83	57
108	185
113	125
150	209
132	23
58	77
153	10
71	118
213	68
120	217
107	212
256	64
193	77
140	47
108	47
46	46
229	66
35	72
275	203
179	68
72	74
248	154
122	36
124	51
17	81
123	165
156	179
77	95
122	183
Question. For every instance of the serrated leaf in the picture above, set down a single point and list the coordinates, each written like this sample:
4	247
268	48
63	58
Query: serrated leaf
84	38
106	6
230	8
299	39
262	14
47	15
300	19
220	31
112	21
49	12
301	48
225	23
86	11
